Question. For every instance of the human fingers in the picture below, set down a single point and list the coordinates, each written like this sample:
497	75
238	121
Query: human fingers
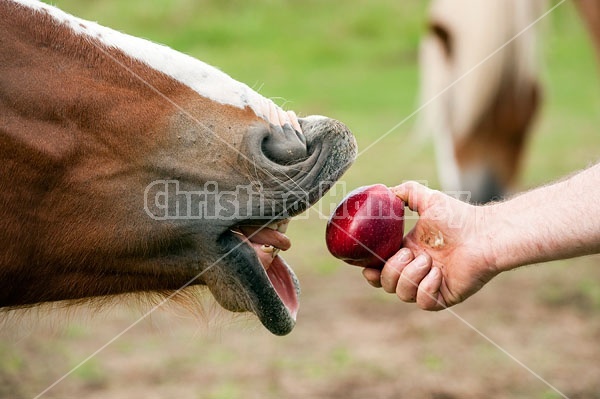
411	277
393	269
415	195
428	293
373	276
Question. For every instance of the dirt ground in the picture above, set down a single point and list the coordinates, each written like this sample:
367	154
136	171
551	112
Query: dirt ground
531	333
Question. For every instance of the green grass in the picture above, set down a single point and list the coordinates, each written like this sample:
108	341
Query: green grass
11	360
357	62
91	373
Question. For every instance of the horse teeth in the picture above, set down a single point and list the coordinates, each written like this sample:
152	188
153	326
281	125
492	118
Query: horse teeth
269	249
283	225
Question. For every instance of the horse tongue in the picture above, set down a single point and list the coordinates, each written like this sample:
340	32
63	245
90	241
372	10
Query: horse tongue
284	285
267	236
280	278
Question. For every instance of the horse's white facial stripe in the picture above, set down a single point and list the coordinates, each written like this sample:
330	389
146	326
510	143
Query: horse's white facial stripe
204	79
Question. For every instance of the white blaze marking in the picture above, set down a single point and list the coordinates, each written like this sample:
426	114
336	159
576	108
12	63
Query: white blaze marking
204	79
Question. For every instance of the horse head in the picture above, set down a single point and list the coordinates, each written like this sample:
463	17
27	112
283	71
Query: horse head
129	167
480	91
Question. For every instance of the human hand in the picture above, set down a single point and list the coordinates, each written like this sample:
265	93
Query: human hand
446	257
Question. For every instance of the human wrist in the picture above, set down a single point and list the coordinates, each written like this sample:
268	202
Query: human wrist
557	221
497	251
520	232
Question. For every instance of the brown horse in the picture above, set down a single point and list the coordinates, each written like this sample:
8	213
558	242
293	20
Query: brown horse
128	167
481	88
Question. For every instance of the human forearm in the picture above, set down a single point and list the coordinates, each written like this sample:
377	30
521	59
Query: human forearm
558	221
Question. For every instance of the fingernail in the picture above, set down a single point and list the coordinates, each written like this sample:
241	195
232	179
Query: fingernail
399	191
404	255
420	261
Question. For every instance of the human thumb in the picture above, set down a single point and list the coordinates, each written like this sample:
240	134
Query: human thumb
414	194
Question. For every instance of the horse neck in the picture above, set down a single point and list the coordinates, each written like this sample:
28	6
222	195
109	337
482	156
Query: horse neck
53	77
66	109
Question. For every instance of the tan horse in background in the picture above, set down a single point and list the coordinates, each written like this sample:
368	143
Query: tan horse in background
480	88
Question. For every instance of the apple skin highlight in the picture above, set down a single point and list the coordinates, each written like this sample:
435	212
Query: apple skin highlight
367	227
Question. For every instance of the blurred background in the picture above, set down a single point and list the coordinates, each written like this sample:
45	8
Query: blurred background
356	62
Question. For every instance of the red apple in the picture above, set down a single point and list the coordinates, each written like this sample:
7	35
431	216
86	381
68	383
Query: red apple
367	227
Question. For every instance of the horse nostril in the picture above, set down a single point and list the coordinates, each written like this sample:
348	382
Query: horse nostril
284	145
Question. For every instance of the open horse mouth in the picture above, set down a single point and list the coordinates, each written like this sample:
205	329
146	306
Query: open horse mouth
251	274
267	241
266	284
